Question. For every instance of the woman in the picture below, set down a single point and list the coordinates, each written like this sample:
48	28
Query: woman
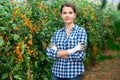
67	48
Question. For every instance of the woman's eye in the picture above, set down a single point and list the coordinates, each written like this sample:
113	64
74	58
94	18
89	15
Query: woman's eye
64	12
70	12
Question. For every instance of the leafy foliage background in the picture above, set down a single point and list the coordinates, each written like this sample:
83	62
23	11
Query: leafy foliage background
26	30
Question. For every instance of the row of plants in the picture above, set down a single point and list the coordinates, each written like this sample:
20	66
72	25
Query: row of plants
26	29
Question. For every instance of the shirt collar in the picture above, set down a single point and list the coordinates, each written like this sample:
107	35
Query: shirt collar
73	28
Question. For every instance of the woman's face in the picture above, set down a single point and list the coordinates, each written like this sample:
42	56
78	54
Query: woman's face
68	15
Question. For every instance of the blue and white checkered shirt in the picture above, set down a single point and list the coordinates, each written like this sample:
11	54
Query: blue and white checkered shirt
73	66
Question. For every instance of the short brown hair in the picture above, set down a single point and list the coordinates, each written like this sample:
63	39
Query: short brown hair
68	5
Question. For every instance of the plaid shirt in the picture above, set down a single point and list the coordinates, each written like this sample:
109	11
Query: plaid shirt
73	66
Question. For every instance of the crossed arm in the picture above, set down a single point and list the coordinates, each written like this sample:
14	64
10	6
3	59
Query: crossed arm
65	53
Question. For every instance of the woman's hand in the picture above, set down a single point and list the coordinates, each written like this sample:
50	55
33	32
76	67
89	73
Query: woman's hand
79	47
52	46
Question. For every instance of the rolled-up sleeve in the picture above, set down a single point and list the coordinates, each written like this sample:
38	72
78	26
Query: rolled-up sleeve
79	56
52	54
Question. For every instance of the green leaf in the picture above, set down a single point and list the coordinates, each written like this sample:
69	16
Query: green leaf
18	77
16	68
3	28
4	76
36	63
1	7
16	37
1	41
44	77
27	60
14	25
42	57
23	48
7	46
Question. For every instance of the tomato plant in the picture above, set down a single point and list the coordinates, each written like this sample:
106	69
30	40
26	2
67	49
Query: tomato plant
26	29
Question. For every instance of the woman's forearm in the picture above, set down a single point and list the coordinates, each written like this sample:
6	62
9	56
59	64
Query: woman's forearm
62	54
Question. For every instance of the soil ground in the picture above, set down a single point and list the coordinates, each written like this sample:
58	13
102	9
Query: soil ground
109	69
